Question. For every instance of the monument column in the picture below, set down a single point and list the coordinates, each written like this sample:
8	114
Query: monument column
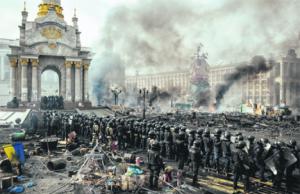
78	94
68	65
24	88
86	82
34	63
13	70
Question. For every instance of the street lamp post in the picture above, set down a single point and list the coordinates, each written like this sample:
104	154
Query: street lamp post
116	92
144	92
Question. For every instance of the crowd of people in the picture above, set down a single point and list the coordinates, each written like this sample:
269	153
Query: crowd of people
14	103
203	147
52	102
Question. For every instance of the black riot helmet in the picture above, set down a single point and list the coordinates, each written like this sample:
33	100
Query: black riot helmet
176	129
251	138
227	135
181	136
240	138
152	134
196	144
264	140
293	143
218	132
192	132
206	133
241	145
279	144
200	132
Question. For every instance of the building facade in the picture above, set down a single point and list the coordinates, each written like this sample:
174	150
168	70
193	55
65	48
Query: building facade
5	70
280	85
164	81
49	43
252	88
287	82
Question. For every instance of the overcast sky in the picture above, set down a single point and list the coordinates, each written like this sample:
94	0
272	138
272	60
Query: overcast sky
148	34
91	14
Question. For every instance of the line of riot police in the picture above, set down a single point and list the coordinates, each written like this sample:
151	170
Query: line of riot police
52	103
194	148
199	148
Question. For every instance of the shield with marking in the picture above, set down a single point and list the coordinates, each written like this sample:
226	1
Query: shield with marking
289	157
270	163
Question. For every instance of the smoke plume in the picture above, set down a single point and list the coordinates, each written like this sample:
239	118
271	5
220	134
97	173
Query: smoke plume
108	71
257	65
161	35
165	33
158	94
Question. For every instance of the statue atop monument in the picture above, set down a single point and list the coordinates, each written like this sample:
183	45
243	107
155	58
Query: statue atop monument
54	2
46	5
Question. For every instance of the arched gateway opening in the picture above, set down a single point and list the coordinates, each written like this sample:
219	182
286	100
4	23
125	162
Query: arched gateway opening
51	44
51	82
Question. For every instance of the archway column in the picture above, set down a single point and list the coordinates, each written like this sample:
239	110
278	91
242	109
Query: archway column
24	86
13	71
86	82
68	65
78	93
34	63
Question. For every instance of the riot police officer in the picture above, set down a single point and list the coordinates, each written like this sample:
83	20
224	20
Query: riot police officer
208	147
251	147
217	149
151	139
145	129
279	163
136	135
195	156
120	135
251	152
290	169
131	132
181	150
191	138
168	142
199	138
259	159
175	136
162	141
241	166
155	164
227	152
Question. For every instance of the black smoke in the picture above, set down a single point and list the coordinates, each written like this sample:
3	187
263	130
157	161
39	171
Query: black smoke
153	95
158	94
257	65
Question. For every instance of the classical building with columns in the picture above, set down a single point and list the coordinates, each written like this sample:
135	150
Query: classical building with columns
5	70
279	86
164	81
49	43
